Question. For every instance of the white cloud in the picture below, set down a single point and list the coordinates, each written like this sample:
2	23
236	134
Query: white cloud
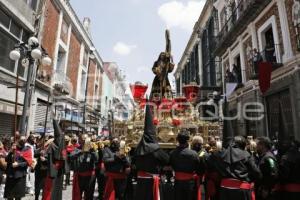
181	15
123	49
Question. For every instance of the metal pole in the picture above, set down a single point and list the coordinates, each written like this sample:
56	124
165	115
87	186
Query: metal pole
113	123
85	95
46	118
72	118
16	106
26	97
90	124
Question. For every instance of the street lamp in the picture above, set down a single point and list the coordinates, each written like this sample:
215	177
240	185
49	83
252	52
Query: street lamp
32	51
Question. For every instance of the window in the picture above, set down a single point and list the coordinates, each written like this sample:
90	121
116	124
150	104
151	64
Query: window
85	58
64	31
7	44
4	19
25	36
96	95
61	60
178	85
270	46
269	42
205	59
15	29
237	72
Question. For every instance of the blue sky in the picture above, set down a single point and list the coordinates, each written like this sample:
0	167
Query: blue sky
131	32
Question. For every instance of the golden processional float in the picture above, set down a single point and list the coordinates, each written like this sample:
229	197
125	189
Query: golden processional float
170	114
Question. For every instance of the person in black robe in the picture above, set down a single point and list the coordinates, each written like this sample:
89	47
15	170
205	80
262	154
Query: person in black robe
188	171
117	167
18	160
289	173
84	178
40	171
149	160
69	149
268	166
56	154
239	171
100	172
212	181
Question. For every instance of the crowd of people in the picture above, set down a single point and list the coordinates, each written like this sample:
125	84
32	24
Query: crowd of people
238	168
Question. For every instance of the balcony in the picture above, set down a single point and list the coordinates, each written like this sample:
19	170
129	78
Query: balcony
272	55
43	76
240	17
98	105
62	84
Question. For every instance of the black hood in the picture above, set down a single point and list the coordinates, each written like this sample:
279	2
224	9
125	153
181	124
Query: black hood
148	142
233	154
58	146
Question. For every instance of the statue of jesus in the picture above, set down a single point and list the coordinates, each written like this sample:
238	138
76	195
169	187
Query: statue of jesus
161	87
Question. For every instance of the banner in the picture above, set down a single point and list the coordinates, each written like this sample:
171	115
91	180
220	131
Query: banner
264	74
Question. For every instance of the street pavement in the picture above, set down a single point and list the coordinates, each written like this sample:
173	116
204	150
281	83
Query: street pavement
67	194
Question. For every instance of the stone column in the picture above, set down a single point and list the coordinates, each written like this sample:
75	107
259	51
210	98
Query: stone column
243	61
57	39
180	87
251	27
231	62
286	37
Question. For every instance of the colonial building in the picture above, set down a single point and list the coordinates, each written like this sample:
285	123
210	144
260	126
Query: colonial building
198	63
268	29
77	67
117	104
85	90
18	21
237	35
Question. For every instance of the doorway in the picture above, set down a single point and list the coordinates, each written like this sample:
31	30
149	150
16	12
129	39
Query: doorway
280	115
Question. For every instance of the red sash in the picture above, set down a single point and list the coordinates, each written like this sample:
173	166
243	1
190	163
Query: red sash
237	184
109	191
76	190
182	176
47	188
49	182
76	194
101	165
58	164
142	174
212	179
289	187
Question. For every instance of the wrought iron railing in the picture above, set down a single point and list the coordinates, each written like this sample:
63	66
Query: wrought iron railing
239	17
235	15
62	83
272	55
